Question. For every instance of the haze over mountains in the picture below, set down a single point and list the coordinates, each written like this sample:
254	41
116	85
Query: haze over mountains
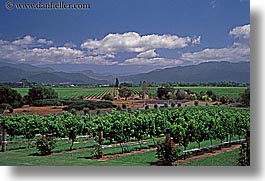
204	72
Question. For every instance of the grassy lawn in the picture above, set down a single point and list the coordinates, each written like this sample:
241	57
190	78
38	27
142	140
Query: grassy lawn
223	159
81	157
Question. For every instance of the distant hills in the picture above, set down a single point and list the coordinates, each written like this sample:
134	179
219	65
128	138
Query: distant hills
204	72
15	72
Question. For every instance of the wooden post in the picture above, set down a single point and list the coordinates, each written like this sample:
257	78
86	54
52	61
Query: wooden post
248	147
168	138
100	138
3	140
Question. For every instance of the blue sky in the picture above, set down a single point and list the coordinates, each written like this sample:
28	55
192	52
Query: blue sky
142	34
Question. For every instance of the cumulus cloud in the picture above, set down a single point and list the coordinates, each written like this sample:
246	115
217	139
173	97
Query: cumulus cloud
41	51
239	51
142	50
31	41
133	42
164	62
148	54
241	32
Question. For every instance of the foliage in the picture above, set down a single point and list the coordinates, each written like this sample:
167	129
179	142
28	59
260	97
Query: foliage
5	106
125	92
86	110
108	97
10	96
92	105
245	97
243	158
226	99
117	82
163	93
166	153
188	124
180	94
196	103
97	152
41	92
123	106
45	145
173	104
155	106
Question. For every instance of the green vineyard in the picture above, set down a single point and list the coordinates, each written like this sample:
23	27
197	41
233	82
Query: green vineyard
189	126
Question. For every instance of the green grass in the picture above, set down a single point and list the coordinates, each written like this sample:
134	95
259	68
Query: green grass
23	156
75	92
72	92
219	91
224	159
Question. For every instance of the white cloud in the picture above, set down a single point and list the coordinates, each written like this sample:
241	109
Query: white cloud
163	62
241	32
44	41
239	51
148	54
133	42
27	40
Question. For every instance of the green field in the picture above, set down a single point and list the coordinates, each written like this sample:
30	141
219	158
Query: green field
75	92
72	92
219	91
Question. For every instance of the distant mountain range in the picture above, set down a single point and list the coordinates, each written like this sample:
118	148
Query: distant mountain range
15	72
204	72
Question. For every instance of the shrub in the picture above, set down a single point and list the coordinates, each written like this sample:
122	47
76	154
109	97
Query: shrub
86	110
243	158
167	154
10	96
146	107
41	92
155	106
173	104
179	104
245	97
108	97
196	103
45	145
73	111
166	105
4	107
180	94
97	112
118	108
92	105
123	106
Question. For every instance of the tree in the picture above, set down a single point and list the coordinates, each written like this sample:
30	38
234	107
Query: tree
108	97
41	92
117	82
125	92
180	94
145	89
162	93
10	96
245	97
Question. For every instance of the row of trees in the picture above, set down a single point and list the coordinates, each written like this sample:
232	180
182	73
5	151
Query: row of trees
10	97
